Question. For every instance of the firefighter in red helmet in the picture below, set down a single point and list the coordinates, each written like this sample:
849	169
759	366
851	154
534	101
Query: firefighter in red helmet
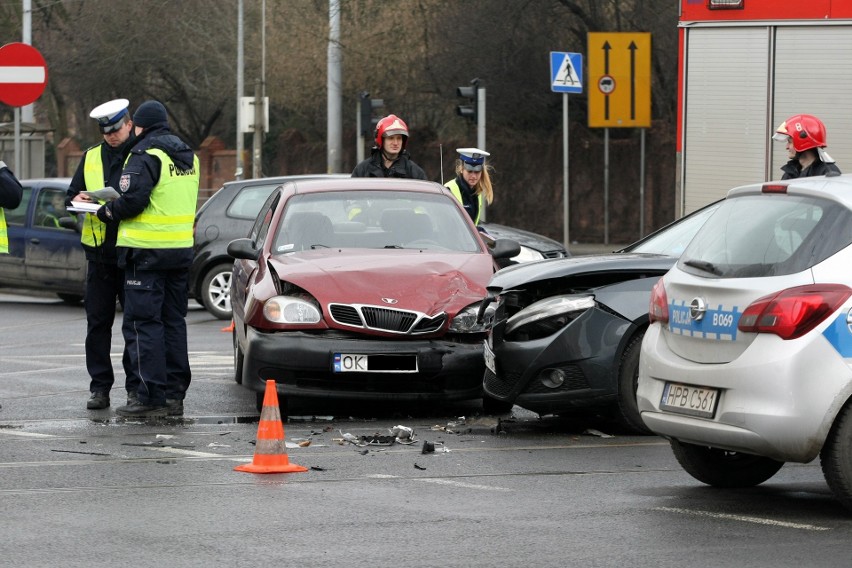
804	136
389	158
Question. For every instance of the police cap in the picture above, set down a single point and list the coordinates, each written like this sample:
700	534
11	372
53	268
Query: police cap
111	115
472	158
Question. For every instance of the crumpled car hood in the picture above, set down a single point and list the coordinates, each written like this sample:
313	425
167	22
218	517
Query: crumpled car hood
425	281
519	274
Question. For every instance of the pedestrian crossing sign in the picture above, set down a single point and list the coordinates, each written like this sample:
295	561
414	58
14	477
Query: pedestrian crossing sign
566	72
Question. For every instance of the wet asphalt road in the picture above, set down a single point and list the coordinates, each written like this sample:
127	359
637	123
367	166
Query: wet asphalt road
85	488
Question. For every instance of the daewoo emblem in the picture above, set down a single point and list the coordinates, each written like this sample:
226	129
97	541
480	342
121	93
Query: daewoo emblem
697	309
389	300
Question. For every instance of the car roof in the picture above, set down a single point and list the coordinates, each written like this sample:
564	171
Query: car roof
282	179
836	188
42	181
367	184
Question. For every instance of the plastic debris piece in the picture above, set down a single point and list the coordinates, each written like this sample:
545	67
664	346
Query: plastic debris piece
420	467
317	468
215	445
593	432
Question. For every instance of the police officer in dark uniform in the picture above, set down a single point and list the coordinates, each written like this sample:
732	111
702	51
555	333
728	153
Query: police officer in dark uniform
156	209
11	194
101	167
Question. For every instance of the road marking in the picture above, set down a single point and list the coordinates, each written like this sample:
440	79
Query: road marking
25	434
442	482
744	518
195	454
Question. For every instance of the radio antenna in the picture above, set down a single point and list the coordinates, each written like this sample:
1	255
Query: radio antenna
441	159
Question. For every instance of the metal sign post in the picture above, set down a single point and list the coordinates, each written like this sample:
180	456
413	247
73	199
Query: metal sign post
566	76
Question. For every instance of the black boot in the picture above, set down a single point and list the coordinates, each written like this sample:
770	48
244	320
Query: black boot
98	401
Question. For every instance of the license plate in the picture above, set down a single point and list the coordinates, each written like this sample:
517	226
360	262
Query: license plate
375	363
689	399
489	357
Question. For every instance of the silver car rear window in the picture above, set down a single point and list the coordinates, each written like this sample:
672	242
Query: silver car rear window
767	235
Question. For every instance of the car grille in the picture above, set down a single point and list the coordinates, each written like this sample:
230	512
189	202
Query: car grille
495	386
574	380
386	319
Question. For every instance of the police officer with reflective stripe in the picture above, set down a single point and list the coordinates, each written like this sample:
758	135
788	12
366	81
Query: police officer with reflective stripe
472	184
11	194
156	209
101	167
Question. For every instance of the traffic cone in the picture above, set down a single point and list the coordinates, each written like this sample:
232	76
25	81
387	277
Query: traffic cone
270	455
230	328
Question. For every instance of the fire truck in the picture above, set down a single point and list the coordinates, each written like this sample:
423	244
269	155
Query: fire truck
744	67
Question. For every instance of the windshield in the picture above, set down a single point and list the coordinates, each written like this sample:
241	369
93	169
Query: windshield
375	220
768	235
672	240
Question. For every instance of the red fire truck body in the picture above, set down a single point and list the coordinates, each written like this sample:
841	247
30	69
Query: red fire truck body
744	67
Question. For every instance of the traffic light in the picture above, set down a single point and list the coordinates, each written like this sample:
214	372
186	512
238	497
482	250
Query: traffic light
471	109
368	123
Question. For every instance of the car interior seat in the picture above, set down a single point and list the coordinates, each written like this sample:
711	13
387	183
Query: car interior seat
306	229
406	225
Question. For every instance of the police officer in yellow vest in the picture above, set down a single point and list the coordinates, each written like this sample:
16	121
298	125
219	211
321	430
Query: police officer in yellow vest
156	210
101	167
11	194
472	184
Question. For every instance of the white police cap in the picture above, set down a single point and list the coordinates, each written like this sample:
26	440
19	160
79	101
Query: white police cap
111	115
472	158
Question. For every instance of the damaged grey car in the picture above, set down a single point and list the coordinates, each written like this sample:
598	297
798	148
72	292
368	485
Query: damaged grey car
567	332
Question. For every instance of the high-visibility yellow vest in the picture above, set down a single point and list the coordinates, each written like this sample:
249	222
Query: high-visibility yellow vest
167	220
94	230
454	187
4	237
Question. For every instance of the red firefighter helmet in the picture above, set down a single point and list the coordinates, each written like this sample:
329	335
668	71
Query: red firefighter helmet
389	126
805	130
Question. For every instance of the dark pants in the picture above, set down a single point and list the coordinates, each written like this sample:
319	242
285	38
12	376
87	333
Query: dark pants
155	305
104	283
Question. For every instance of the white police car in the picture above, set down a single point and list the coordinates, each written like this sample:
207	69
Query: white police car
748	361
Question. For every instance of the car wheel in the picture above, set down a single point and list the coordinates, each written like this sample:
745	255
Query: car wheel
628	380
71	299
721	468
494	406
216	291
238	361
836	457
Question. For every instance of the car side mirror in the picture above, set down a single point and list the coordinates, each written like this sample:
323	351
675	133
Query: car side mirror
70	223
505	248
243	248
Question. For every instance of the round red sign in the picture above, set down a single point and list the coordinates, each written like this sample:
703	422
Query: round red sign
23	74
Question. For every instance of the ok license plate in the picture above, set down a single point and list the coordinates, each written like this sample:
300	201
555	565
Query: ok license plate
688	399
375	363
489	357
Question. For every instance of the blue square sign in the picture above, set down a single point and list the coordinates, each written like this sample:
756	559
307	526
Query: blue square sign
566	72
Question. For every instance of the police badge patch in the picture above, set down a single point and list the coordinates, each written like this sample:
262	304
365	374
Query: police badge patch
124	183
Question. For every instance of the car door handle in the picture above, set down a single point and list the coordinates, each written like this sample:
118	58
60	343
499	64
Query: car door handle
35	241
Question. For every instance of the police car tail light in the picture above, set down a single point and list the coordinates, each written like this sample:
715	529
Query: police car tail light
793	312
658	310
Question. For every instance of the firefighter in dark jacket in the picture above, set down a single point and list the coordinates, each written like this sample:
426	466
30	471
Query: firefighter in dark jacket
804	135
156	209
389	158
101	167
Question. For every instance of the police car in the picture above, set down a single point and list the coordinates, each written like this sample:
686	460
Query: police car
748	361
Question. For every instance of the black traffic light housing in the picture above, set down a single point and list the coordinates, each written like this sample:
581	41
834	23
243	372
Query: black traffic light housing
368	123
471	109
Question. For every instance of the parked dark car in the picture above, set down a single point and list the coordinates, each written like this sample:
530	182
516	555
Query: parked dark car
230	212
45	254
362	289
567	332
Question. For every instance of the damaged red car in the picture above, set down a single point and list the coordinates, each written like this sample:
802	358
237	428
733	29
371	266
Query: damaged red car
362	289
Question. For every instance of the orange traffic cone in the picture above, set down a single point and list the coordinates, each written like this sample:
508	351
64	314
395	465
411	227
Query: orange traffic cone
229	328
270	455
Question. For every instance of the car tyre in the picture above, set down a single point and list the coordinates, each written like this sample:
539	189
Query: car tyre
836	457
721	468
628	381
70	299
239	358
493	406
216	290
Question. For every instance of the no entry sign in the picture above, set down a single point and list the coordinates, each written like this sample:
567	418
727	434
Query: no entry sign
23	74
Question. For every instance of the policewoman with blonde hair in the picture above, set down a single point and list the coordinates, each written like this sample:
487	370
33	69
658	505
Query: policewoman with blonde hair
472	184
